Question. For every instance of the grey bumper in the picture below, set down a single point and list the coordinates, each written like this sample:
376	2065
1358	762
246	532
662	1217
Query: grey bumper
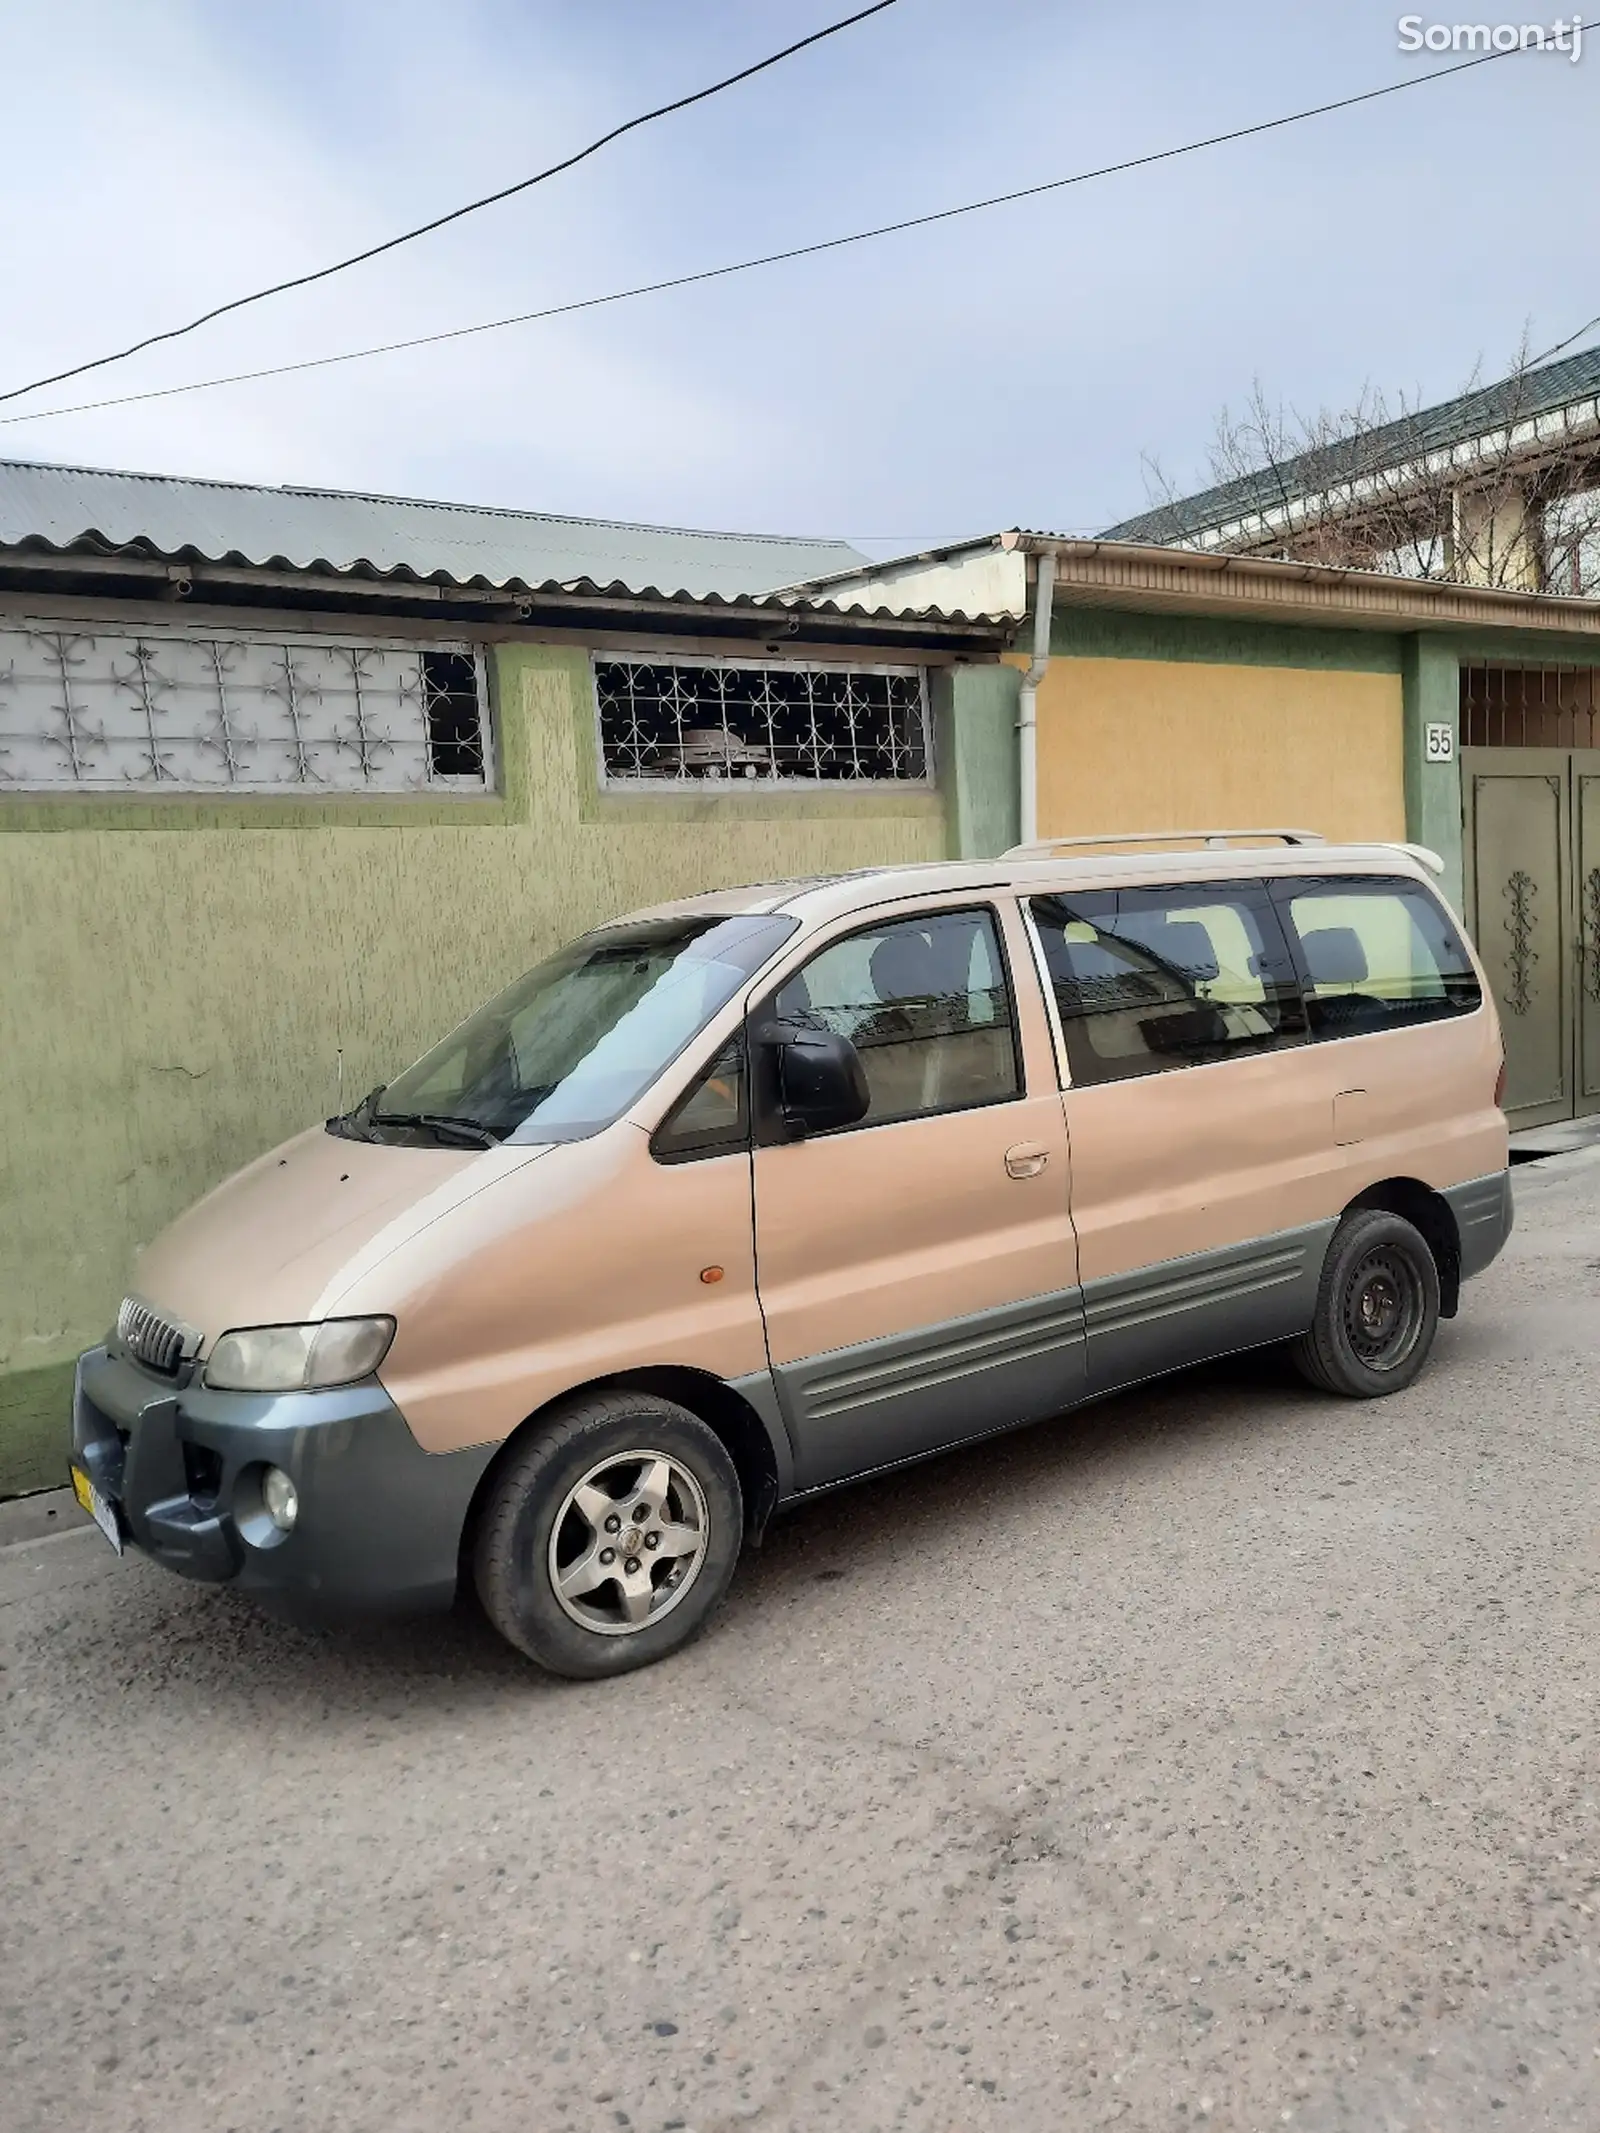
1483	1211
380	1520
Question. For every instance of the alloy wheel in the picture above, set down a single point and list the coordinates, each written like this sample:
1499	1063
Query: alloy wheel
628	1542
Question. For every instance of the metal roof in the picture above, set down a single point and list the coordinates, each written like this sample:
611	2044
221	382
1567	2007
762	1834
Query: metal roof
1513	400
1147	577
91	510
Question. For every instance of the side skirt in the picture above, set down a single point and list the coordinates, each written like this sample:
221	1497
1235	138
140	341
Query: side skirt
853	1411
1160	1318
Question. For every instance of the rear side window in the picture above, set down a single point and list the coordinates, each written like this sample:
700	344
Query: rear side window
1375	954
1150	979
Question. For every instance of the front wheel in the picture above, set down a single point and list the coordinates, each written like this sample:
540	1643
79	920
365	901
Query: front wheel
610	1535
1377	1309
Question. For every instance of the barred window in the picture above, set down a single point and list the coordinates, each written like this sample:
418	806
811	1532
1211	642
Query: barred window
1530	707
91	710
664	722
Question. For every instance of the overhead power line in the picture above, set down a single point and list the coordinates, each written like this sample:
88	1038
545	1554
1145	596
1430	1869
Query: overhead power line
799	251
1545	354
506	192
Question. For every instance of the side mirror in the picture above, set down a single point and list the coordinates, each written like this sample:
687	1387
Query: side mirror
821	1081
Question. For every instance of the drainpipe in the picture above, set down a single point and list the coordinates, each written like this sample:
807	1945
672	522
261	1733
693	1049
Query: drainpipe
1027	726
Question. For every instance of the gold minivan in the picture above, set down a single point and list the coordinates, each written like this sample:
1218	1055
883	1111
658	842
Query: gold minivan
764	1191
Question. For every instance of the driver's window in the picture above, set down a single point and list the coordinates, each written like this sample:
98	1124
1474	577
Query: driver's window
925	1002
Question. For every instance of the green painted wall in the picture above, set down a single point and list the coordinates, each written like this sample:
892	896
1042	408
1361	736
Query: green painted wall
181	982
975	738
1431	673
1430	679
1522	648
1115	633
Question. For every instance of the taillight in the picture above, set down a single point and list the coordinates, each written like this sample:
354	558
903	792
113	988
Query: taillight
1500	1080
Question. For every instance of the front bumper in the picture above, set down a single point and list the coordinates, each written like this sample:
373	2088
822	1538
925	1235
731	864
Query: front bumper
380	1520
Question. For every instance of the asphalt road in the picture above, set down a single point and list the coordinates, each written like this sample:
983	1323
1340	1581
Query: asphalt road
1223	1757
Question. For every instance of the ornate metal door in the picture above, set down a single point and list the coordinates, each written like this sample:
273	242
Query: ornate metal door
1519	867
1586	849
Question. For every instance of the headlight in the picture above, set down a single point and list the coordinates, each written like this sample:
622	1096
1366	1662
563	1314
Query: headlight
336	1351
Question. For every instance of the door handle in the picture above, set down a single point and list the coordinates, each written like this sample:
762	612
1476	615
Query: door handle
1027	1159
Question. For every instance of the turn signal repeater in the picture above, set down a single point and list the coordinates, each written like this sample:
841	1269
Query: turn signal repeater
710	1274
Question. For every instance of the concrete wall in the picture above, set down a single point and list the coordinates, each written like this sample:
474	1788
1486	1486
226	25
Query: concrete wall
1150	722
182	978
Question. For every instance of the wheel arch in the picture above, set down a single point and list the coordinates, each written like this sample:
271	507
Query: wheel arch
1429	1212
758	1448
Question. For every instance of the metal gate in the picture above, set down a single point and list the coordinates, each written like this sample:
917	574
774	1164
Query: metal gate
1532	844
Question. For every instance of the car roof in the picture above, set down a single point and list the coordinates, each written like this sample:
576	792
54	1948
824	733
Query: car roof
1038	872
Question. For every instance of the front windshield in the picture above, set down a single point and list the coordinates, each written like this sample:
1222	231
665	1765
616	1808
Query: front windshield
570	1045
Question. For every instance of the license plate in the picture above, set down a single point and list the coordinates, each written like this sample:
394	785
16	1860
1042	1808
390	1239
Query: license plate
103	1513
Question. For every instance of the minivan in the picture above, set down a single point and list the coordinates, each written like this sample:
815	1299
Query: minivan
753	1194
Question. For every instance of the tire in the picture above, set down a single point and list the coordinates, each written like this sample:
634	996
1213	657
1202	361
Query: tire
585	1598
1377	1309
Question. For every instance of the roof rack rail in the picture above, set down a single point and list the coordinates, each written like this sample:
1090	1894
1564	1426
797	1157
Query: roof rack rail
1213	839
1424	854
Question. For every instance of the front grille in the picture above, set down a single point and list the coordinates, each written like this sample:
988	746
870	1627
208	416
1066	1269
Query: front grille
162	1344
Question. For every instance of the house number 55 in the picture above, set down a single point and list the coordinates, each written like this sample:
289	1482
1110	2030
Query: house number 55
1441	744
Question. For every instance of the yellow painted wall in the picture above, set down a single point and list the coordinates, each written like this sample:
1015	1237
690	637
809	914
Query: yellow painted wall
1127	744
174	1000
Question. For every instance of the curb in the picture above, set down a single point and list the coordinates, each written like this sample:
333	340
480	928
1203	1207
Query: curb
31	1518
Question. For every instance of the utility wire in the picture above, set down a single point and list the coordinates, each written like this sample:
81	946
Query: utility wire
800	251
1588	326
422	229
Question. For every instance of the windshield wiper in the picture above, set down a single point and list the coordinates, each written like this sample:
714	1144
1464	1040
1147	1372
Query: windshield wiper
466	1130
356	1124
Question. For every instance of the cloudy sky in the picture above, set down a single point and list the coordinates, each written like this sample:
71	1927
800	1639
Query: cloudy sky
1008	368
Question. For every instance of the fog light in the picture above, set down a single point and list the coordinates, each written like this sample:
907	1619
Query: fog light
280	1497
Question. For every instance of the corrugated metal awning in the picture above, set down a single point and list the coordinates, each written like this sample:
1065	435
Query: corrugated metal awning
87	510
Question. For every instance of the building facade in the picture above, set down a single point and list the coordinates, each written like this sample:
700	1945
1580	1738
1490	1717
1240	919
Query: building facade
1500	486
274	815
1186	690
289	783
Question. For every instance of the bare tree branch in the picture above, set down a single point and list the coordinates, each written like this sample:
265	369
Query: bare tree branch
1498	495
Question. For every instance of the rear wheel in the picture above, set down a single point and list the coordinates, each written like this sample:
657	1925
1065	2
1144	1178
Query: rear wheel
1377	1309
610	1535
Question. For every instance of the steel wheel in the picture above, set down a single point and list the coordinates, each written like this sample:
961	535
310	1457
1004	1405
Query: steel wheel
1384	1308
1377	1308
628	1542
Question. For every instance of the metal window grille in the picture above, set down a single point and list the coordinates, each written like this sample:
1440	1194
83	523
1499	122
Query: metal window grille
667	722
93	710
1530	707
